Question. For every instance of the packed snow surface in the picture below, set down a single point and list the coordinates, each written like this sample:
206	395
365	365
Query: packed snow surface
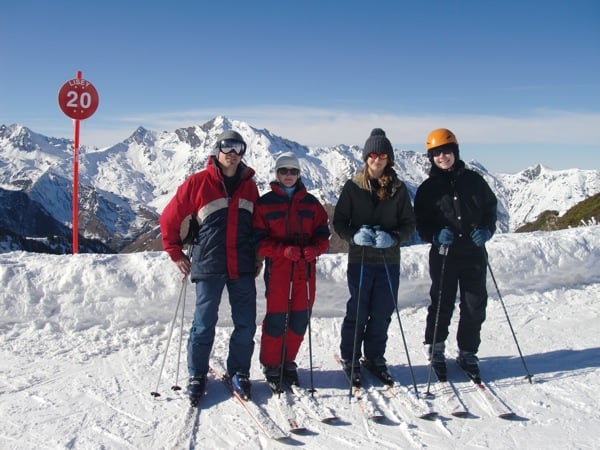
83	338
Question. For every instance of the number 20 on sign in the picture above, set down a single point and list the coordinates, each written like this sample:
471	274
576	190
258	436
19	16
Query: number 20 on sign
78	99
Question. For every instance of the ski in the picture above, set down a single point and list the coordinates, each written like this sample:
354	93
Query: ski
447	396
264	422
416	405
493	402
313	406
362	397
398	393
186	436
288	410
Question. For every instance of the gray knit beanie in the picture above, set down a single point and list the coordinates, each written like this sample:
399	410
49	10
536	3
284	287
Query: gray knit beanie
287	159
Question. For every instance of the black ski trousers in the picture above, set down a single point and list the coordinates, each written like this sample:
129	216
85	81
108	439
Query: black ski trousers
465	271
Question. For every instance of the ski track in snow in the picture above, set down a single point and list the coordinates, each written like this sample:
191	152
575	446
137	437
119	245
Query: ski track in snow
82	339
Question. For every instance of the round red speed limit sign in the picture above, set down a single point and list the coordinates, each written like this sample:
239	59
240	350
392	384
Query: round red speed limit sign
78	98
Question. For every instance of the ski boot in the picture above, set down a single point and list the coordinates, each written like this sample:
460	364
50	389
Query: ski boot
352	371
195	390
290	373
435	354
273	376
469	362
241	385
378	369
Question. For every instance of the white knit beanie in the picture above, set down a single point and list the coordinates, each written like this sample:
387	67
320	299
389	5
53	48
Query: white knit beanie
287	159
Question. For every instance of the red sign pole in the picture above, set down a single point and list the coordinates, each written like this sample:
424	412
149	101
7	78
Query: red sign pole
76	182
78	99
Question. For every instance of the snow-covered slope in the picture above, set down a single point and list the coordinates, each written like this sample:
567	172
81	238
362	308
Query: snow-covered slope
82	340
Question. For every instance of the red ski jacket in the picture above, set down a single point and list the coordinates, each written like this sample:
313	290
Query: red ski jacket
280	221
225	244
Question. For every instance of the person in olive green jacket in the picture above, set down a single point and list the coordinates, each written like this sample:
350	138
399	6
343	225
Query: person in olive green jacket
374	215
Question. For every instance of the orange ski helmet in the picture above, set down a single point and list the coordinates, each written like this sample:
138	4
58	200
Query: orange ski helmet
439	137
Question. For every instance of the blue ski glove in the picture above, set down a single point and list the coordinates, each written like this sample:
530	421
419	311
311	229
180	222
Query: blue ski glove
383	239
444	237
365	237
480	236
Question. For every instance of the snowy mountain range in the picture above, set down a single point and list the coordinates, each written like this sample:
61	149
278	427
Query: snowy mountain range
123	188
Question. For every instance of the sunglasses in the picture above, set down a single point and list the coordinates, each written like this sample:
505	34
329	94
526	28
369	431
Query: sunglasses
231	145
285	171
438	151
378	155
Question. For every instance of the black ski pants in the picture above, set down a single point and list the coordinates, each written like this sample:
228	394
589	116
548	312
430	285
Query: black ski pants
465	271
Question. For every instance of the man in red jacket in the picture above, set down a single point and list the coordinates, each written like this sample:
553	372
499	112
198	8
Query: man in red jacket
221	197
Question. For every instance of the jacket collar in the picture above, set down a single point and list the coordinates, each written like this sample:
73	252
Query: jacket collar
213	167
276	187
458	169
359	180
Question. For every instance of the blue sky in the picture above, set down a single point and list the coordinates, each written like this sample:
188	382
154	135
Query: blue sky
517	81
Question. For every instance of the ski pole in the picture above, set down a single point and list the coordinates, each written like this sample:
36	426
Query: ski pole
360	282
285	328
182	293
189	239
528	375
176	386
395	301
155	393
309	314
444	253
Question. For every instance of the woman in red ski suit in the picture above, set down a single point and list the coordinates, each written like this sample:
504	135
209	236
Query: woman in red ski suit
293	230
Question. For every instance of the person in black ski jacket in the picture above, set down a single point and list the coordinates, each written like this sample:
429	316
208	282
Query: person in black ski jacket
456	211
374	215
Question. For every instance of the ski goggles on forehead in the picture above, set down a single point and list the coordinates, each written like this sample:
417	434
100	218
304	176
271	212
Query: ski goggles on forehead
232	145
